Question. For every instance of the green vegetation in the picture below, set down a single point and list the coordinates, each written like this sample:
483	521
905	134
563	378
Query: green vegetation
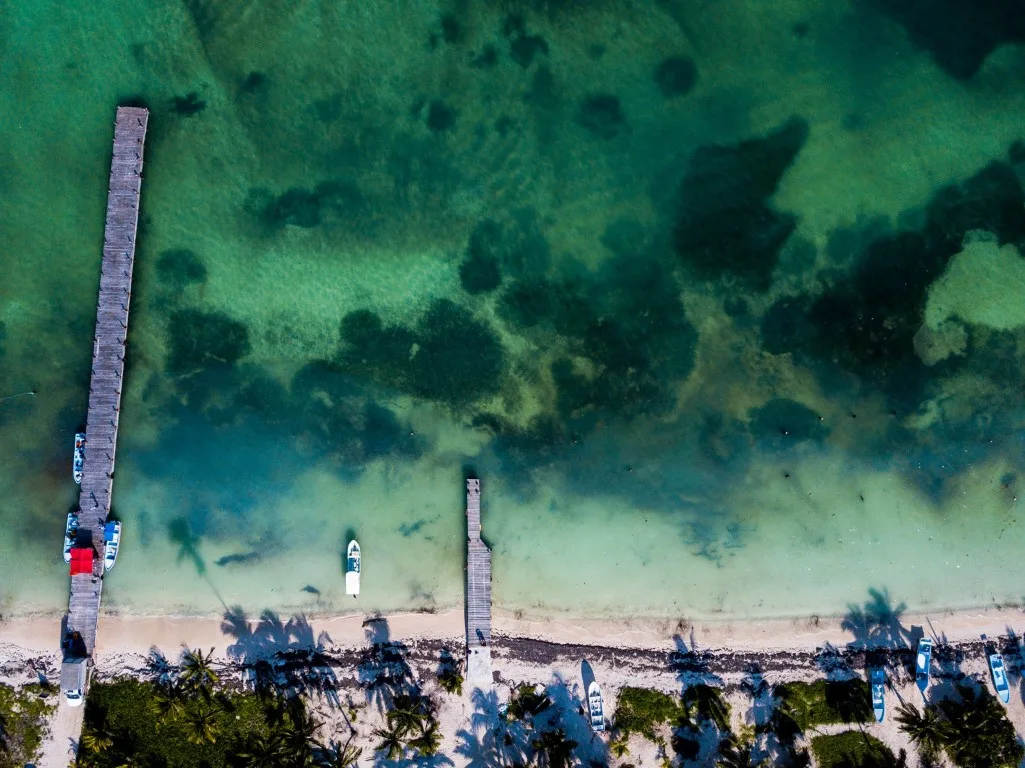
973	730
526	702
824	702
553	749
641	710
23	723
450	675
852	749
705	704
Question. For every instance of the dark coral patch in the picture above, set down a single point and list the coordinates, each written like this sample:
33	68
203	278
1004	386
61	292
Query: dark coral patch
480	273
783	423
601	114
179	268
306	208
523	47
676	76
188	105
959	35
198	340
449	357
440	116
726	224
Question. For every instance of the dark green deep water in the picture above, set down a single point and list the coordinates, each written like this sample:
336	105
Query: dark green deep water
723	300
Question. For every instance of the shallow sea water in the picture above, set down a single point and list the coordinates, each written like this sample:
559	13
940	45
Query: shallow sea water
719	299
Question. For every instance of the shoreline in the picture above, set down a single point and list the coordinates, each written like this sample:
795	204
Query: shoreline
137	634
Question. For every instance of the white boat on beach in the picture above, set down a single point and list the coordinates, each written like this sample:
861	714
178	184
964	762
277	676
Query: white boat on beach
352	563
111	542
996	667
70	532
78	462
878	680
923	660
594	704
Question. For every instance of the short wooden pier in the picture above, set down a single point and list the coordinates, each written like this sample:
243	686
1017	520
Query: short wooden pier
478	593
108	368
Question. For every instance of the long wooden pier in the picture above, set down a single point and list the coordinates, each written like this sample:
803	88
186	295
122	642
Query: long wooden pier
478	593
108	367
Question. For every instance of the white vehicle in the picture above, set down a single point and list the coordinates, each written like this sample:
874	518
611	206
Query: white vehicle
352	561
74	678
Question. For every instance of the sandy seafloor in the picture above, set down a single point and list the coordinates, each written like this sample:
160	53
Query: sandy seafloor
710	382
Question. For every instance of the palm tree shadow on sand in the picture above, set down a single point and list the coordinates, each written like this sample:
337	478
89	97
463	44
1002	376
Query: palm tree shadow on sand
285	656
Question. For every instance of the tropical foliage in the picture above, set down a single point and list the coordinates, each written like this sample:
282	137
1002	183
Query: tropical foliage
853	749
972	729
23	717
129	720
411	726
643	711
824	702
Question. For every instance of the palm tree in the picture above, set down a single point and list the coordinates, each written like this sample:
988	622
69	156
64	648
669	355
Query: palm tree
168	702
429	741
299	730
391	743
98	740
264	752
197	670
335	755
407	714
618	746
734	754
927	730
553	749
204	724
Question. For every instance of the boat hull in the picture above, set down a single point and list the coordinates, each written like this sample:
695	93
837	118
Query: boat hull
352	568
923	661
112	543
596	707
999	674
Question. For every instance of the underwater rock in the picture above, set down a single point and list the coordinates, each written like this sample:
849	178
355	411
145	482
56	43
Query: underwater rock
198	340
602	115
959	35
676	76
452	31
306	208
726	224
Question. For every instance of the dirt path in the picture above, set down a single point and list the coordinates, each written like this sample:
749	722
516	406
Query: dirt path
61	746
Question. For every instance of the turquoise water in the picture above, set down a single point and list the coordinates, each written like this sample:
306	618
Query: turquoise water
721	300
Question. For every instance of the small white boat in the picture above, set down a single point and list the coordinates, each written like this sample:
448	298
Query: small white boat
70	532
111	542
594	704
996	666
78	463
878	694
922	662
352	569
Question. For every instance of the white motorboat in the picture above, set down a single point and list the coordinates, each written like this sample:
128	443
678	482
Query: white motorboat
78	462
352	565
70	532
996	667
922	662
111	543
878	679
594	704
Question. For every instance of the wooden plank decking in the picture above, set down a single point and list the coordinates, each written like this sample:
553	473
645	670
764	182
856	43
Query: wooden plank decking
478	592
108	363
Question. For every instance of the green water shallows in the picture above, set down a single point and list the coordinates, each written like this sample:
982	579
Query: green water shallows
722	307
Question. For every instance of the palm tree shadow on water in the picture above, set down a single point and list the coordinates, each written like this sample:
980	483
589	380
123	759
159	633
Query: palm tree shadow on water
179	531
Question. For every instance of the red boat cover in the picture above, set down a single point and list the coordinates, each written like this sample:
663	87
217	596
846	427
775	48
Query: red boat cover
81	560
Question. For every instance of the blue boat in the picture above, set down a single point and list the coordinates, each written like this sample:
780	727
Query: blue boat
922	662
111	543
878	679
78	462
996	666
